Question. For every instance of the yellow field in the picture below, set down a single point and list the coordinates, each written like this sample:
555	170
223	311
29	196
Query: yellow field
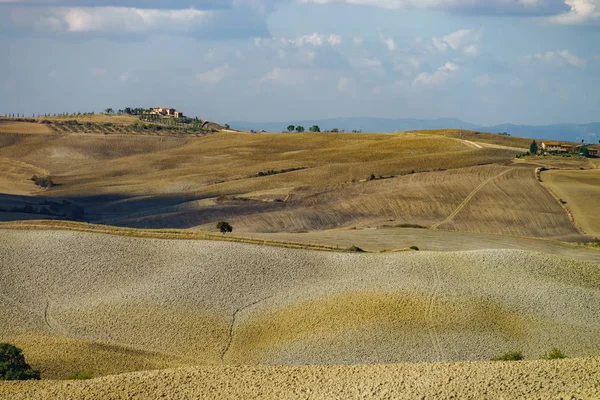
581	191
24	127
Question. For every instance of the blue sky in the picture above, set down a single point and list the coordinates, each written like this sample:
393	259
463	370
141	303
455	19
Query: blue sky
486	62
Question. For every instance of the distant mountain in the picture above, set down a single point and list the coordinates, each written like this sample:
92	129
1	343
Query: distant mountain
567	132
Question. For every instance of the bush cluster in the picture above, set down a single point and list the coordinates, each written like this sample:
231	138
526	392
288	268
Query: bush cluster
13	366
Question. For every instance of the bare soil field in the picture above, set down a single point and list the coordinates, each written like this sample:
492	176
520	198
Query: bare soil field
180	302
558	379
581	192
390	239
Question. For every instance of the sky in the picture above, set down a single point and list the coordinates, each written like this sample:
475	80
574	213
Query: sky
483	61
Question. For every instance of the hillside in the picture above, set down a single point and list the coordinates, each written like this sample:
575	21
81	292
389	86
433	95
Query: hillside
566	379
131	304
449	180
563	132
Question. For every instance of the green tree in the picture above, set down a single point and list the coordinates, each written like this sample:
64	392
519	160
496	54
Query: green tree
224	227
314	128
13	366
533	147
585	151
109	111
226	126
291	128
299	129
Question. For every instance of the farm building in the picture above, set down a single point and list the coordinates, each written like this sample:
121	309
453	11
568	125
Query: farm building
555	147
593	151
166	112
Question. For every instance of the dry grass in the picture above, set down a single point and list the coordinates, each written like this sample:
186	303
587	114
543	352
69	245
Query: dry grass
8	126
207	302
581	192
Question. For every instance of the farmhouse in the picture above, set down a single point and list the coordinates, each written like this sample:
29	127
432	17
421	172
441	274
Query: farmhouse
555	147
593	151
166	112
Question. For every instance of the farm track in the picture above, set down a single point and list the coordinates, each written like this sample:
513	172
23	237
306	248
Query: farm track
466	201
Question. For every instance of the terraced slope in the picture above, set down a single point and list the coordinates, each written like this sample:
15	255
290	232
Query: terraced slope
194	302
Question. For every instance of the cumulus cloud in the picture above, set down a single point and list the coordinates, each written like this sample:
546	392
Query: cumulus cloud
581	11
463	40
440	76
557	57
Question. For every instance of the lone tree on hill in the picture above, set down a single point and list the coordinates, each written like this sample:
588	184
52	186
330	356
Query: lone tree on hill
13	366
300	129
224	227
291	128
533	147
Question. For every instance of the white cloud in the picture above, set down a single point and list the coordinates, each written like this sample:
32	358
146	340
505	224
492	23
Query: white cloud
557	57
312	40
581	11
484	80
444	73
110	19
213	76
463	41
334	40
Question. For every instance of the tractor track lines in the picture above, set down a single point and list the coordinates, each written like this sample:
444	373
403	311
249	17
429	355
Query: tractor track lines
466	201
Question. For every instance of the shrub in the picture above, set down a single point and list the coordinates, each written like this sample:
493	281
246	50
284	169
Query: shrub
79	376
13	366
509	356
355	249
224	227
372	177
554	354
415	248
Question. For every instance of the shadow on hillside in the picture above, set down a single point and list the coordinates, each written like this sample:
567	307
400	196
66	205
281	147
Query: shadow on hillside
149	212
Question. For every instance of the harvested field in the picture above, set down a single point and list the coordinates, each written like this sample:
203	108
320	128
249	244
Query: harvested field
391	239
581	192
292	182
566	379
196	302
8	126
